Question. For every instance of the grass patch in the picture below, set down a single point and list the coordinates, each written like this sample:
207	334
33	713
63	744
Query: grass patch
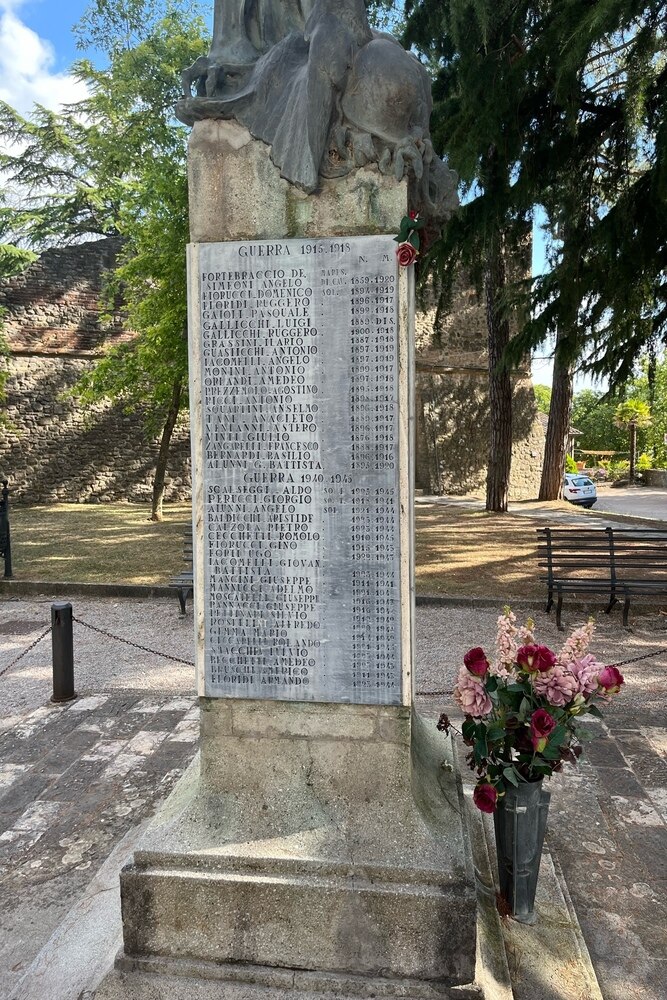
476	554
98	543
458	551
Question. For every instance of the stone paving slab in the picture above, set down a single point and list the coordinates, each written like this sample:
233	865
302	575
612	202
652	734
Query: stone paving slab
74	779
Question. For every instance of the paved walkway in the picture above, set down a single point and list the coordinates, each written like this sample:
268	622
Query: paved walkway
76	779
639	501
635	501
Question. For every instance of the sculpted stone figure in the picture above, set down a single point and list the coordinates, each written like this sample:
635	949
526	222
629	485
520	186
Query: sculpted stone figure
328	94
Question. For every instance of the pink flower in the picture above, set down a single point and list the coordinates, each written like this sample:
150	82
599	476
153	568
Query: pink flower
406	254
505	644
541	725
585	670
485	797
575	645
471	695
557	685
476	662
610	679
533	658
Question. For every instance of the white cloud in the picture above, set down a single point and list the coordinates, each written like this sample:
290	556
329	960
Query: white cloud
26	66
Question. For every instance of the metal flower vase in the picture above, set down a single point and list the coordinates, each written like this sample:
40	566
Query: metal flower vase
520	822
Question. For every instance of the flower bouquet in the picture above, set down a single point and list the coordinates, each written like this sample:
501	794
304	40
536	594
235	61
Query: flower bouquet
522	723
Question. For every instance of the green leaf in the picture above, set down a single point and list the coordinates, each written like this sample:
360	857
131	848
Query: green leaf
413	238
468	729
594	710
525	709
510	774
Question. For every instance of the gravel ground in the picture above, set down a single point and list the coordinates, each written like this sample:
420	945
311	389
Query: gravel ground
442	636
100	663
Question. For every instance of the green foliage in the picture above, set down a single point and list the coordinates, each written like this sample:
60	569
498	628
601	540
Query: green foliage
570	464
542	398
644	462
616	470
632	412
560	105
115	164
593	415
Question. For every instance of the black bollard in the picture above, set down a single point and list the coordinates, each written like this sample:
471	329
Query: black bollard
62	644
5	534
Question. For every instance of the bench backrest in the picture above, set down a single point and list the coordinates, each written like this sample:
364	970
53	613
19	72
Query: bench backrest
568	552
616	553
640	553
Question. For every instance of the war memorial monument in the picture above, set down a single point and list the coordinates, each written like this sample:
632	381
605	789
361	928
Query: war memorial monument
319	842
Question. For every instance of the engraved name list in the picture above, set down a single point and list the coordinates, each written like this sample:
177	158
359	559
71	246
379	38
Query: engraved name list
298	348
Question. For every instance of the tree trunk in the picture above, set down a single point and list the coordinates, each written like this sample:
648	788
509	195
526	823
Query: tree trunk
557	428
633	451
163	453
500	384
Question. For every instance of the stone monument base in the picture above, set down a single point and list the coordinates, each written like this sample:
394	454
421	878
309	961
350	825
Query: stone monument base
319	839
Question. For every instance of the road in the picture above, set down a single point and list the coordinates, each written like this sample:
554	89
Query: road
639	501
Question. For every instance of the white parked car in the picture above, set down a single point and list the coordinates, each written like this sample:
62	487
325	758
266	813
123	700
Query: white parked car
579	489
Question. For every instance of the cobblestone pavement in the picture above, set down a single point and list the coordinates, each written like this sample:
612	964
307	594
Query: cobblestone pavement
74	779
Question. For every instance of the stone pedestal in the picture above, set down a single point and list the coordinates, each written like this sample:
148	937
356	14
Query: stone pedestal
319	838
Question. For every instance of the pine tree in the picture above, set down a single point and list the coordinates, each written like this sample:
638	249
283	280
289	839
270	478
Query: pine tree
572	94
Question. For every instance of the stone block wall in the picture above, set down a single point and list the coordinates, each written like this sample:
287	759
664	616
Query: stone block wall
53	449
452	405
51	446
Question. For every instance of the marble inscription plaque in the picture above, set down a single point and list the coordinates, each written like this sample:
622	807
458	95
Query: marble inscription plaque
299	469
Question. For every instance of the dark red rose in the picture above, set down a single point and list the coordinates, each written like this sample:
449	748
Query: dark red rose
443	723
476	662
541	725
533	658
406	254
485	797
413	215
610	679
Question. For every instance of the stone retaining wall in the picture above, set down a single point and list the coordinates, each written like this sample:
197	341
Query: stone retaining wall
655	477
52	448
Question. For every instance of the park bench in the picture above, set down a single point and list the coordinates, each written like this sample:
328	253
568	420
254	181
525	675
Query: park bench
183	583
5	535
618	562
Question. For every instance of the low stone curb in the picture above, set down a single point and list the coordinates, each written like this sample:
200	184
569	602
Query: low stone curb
26	588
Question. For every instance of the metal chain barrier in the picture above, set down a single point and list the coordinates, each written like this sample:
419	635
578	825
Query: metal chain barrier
621	663
25	651
128	642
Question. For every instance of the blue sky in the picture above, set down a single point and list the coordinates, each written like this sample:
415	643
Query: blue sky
53	20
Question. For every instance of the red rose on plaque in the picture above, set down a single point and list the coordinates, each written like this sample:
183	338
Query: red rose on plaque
406	254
